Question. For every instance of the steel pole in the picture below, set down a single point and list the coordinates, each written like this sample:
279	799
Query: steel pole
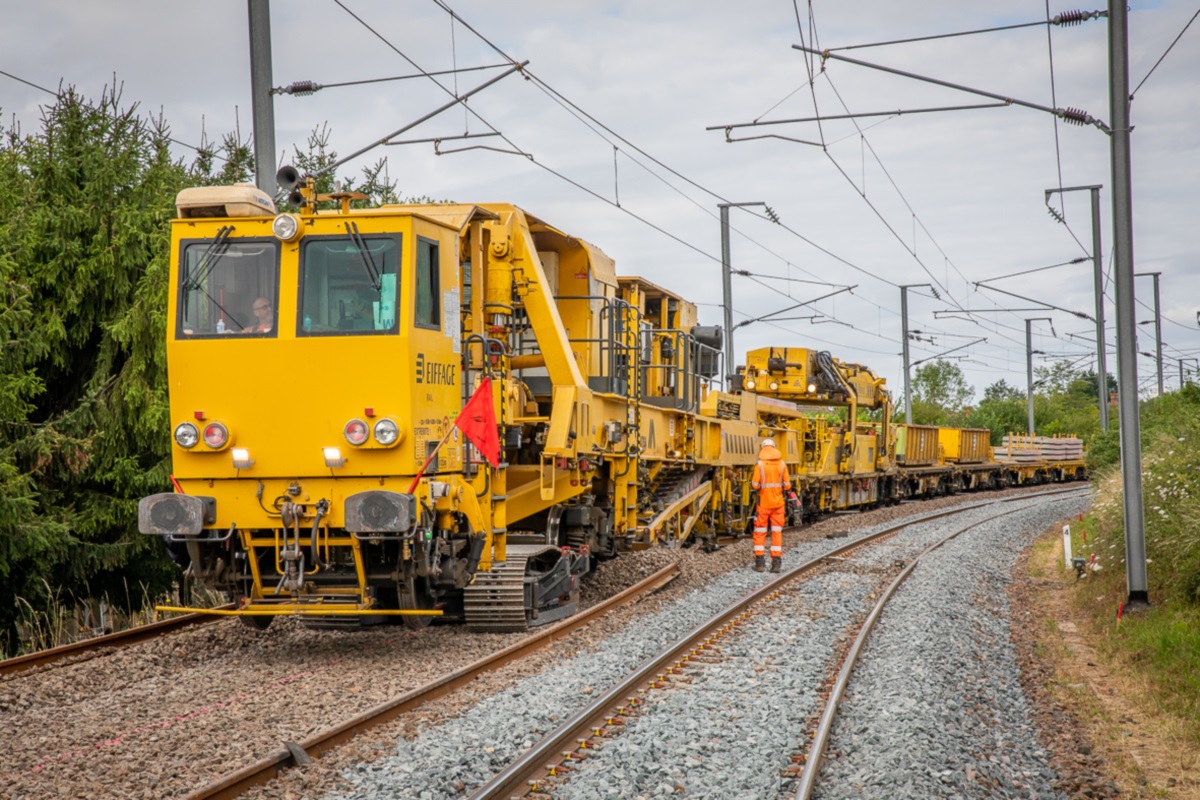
1098	270
1029	369
262	106
904	338
727	295
726	283
1158	335
1127	383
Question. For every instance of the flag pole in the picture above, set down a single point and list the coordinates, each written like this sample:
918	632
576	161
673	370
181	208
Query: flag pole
479	415
429	460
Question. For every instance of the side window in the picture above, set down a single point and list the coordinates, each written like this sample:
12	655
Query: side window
426	313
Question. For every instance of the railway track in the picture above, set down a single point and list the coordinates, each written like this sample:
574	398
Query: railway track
289	656
549	765
126	638
814	757
301	753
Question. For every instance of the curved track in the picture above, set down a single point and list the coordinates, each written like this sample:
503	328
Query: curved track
300	753
548	762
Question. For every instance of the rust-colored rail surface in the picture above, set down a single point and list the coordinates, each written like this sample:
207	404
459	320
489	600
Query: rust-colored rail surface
297	753
125	638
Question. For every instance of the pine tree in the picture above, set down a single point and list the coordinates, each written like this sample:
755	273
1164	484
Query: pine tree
84	211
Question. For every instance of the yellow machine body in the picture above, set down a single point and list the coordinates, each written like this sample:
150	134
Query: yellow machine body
318	361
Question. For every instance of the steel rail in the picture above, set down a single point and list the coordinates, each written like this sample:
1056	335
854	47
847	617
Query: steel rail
519	776
820	740
300	753
123	638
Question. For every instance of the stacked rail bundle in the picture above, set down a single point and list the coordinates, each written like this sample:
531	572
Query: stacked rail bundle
1020	449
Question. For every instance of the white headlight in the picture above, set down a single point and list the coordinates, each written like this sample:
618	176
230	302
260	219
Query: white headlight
774	386
812	388
186	434
750	384
286	227
386	431
241	458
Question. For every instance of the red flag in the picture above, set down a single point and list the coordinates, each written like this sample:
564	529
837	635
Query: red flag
478	423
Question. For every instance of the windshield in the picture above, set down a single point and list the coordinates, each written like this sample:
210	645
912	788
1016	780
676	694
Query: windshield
348	284
228	287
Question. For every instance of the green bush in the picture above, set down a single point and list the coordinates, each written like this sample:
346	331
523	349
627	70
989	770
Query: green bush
1171	498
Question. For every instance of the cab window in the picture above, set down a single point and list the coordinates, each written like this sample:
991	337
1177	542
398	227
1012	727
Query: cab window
348	285
228	287
427	314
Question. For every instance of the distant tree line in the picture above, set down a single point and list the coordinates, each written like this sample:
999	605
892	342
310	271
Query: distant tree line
85	207
1065	401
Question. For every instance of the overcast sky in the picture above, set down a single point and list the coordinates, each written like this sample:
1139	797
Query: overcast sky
950	198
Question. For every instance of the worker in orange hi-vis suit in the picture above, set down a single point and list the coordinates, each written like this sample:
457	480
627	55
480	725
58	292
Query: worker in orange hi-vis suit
770	480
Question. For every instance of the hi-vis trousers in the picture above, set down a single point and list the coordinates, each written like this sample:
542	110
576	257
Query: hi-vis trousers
769	518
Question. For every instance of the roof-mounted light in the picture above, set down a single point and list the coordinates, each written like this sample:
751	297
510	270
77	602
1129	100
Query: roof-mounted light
287	227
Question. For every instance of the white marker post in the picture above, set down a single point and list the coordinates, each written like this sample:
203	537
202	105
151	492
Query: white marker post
1067	546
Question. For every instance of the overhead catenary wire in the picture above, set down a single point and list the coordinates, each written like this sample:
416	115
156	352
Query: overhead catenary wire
566	103
1164	55
859	115
1054	103
593	123
1079	260
1068	18
545	167
1070	114
912	211
519	150
307	88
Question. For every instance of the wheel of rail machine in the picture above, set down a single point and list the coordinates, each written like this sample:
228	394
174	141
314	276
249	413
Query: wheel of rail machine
413	593
258	623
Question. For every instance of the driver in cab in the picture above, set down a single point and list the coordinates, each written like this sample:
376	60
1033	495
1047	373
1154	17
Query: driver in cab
264	316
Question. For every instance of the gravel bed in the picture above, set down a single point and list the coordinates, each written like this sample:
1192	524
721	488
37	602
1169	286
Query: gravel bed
745	721
730	732
160	718
935	708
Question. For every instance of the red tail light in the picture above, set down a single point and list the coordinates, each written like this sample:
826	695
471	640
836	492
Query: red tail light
356	431
215	435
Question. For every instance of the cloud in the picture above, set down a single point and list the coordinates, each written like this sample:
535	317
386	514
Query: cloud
961	190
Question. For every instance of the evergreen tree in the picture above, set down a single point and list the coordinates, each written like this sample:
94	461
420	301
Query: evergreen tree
84	206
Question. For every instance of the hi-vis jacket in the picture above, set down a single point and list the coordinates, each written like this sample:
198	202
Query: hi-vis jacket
770	478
